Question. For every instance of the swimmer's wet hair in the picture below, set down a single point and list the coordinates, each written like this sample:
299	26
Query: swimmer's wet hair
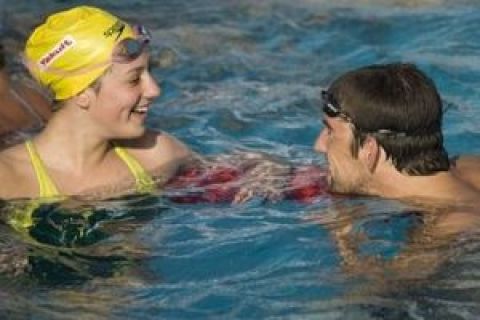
399	99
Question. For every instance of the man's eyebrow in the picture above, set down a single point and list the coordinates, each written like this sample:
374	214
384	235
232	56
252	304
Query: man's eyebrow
136	69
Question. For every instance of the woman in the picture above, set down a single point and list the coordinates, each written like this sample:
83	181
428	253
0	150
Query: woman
23	110
96	143
96	66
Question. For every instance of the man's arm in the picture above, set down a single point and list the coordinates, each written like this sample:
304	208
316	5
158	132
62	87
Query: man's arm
425	251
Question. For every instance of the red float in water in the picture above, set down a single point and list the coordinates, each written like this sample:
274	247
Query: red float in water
221	183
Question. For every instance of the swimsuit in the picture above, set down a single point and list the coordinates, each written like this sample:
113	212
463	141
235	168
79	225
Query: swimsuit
47	188
21	218
143	182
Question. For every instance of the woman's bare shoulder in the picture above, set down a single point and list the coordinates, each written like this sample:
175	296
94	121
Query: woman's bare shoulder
172	146
159	153
159	146
9	157
16	173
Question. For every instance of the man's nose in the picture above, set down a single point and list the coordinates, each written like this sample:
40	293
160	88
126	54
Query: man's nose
321	142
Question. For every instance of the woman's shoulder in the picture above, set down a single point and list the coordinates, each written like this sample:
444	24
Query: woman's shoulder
156	149
170	146
13	155
16	173
158	144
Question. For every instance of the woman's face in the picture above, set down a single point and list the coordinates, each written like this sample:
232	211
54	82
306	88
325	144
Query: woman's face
126	93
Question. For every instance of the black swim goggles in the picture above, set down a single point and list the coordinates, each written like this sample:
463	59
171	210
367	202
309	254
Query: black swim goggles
331	109
130	49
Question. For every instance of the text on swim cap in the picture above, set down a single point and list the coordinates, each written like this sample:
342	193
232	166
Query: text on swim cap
117	27
57	51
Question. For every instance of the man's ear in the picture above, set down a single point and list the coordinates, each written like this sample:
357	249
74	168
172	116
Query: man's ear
85	98
369	153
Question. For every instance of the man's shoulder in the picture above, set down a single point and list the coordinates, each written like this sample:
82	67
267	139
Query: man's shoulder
457	221
467	168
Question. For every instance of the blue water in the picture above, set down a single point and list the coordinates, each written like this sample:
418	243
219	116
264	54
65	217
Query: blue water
246	75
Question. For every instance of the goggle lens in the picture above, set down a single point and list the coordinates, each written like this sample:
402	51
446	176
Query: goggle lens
131	49
329	105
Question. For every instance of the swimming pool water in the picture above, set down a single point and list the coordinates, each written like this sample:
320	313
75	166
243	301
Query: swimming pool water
246	75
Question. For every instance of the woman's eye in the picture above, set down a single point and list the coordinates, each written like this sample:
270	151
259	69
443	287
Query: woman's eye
134	81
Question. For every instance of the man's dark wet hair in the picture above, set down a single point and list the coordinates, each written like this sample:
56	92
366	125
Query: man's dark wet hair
401	108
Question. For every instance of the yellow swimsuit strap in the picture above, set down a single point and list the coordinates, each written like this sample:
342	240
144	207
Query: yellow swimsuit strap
47	188
143	181
21	217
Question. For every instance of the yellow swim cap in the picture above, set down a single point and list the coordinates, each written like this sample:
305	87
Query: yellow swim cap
72	48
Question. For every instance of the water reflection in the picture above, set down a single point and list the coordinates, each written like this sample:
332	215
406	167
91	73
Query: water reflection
405	263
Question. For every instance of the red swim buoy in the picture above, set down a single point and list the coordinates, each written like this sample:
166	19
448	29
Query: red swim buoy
205	185
307	183
221	183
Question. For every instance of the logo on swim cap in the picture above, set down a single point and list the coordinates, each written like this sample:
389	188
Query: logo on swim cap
117	27
58	50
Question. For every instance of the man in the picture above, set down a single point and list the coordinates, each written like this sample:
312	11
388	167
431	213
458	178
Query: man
383	137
